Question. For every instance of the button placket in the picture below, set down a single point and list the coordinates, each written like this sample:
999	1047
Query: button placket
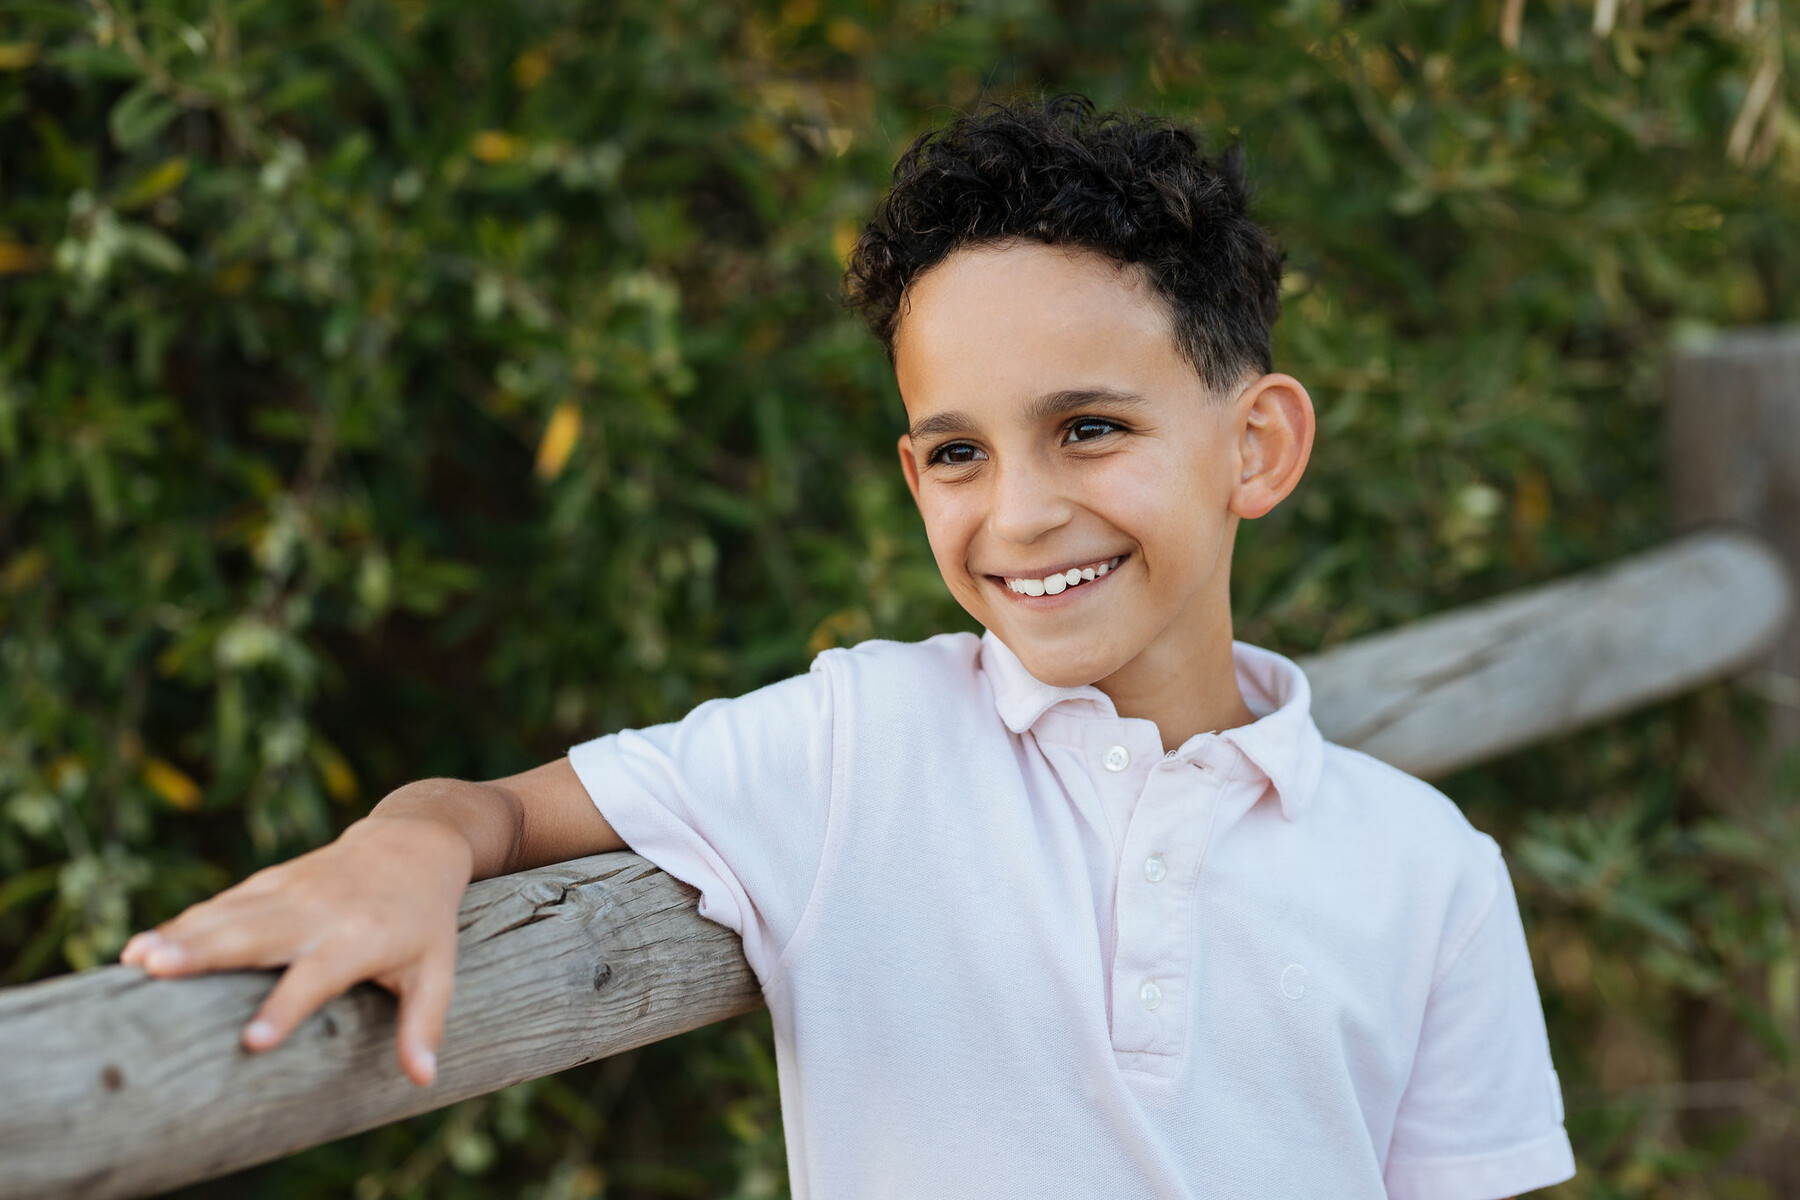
1162	854
1153	956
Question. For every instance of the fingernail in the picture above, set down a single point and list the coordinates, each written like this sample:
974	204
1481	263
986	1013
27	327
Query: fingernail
259	1033
428	1061
165	958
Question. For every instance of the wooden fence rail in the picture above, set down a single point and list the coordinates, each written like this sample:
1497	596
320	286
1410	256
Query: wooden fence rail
112	1084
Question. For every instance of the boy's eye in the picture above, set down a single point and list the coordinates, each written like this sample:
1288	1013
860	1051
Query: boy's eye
1086	429
956	454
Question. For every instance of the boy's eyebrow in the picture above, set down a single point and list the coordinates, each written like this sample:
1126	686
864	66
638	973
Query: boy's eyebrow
1046	407
1061	404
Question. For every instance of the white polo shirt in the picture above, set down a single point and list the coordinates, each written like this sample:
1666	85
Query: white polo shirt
1012	949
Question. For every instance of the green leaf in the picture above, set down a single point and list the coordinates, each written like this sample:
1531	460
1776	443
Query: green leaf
140	115
154	248
95	62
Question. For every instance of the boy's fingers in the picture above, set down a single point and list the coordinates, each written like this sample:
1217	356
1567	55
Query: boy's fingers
174	932
258	936
223	910
301	990
424	1002
137	947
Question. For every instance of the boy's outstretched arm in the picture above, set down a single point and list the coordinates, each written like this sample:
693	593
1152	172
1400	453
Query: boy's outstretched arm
380	902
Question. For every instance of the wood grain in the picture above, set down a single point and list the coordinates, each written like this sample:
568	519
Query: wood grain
112	1084
1472	684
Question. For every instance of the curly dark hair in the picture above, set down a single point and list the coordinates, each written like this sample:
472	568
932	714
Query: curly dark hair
1134	188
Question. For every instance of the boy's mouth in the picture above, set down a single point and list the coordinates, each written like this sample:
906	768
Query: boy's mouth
1059	581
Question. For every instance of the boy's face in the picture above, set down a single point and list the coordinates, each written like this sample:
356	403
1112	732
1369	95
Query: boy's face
1056	428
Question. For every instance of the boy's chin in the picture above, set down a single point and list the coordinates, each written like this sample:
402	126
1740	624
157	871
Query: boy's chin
1058	670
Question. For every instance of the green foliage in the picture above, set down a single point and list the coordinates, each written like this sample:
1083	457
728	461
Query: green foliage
406	388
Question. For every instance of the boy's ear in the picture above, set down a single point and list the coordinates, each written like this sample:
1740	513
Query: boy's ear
909	466
1275	423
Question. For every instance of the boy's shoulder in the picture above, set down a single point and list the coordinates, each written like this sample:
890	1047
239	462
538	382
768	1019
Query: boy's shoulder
936	688
905	666
943	647
1379	809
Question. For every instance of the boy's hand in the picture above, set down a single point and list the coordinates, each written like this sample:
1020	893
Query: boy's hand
379	904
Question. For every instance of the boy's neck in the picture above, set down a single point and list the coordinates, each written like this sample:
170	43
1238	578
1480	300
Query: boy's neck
1185	682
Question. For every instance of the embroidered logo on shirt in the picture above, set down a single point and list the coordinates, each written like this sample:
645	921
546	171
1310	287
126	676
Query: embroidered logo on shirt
1293	981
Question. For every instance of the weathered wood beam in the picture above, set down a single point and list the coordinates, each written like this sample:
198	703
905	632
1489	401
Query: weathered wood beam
115	1085
1470	685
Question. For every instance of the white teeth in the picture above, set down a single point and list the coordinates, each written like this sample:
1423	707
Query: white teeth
1051	585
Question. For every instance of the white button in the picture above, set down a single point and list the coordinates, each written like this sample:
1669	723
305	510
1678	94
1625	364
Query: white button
1150	995
1154	869
1117	759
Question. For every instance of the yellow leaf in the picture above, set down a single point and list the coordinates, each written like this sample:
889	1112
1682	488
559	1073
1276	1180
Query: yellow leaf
1531	502
846	626
492	146
848	36
26	568
559	439
155	183
529	69
339	779
172	784
232	280
18	259
762	137
16	56
171	660
843	240
796	13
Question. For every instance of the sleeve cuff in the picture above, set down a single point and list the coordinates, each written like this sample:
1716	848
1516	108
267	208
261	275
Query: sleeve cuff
649	829
1535	1164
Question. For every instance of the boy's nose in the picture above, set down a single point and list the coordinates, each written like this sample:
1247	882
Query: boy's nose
1027	503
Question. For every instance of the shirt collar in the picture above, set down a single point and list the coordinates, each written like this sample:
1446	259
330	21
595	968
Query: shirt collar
1282	743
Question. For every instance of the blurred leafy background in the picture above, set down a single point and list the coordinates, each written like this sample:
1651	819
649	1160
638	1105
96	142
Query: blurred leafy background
393	388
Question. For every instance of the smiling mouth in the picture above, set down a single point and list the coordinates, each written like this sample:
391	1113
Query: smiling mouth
1060	581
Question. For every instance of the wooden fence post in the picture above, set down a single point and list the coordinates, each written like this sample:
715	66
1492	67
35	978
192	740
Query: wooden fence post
1733	423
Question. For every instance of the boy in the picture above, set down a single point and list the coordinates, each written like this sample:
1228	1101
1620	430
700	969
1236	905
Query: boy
1085	906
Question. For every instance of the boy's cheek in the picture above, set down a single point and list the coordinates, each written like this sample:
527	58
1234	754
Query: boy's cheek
949	546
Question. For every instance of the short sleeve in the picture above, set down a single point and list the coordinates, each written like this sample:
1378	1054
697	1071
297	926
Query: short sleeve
1481	1117
733	799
